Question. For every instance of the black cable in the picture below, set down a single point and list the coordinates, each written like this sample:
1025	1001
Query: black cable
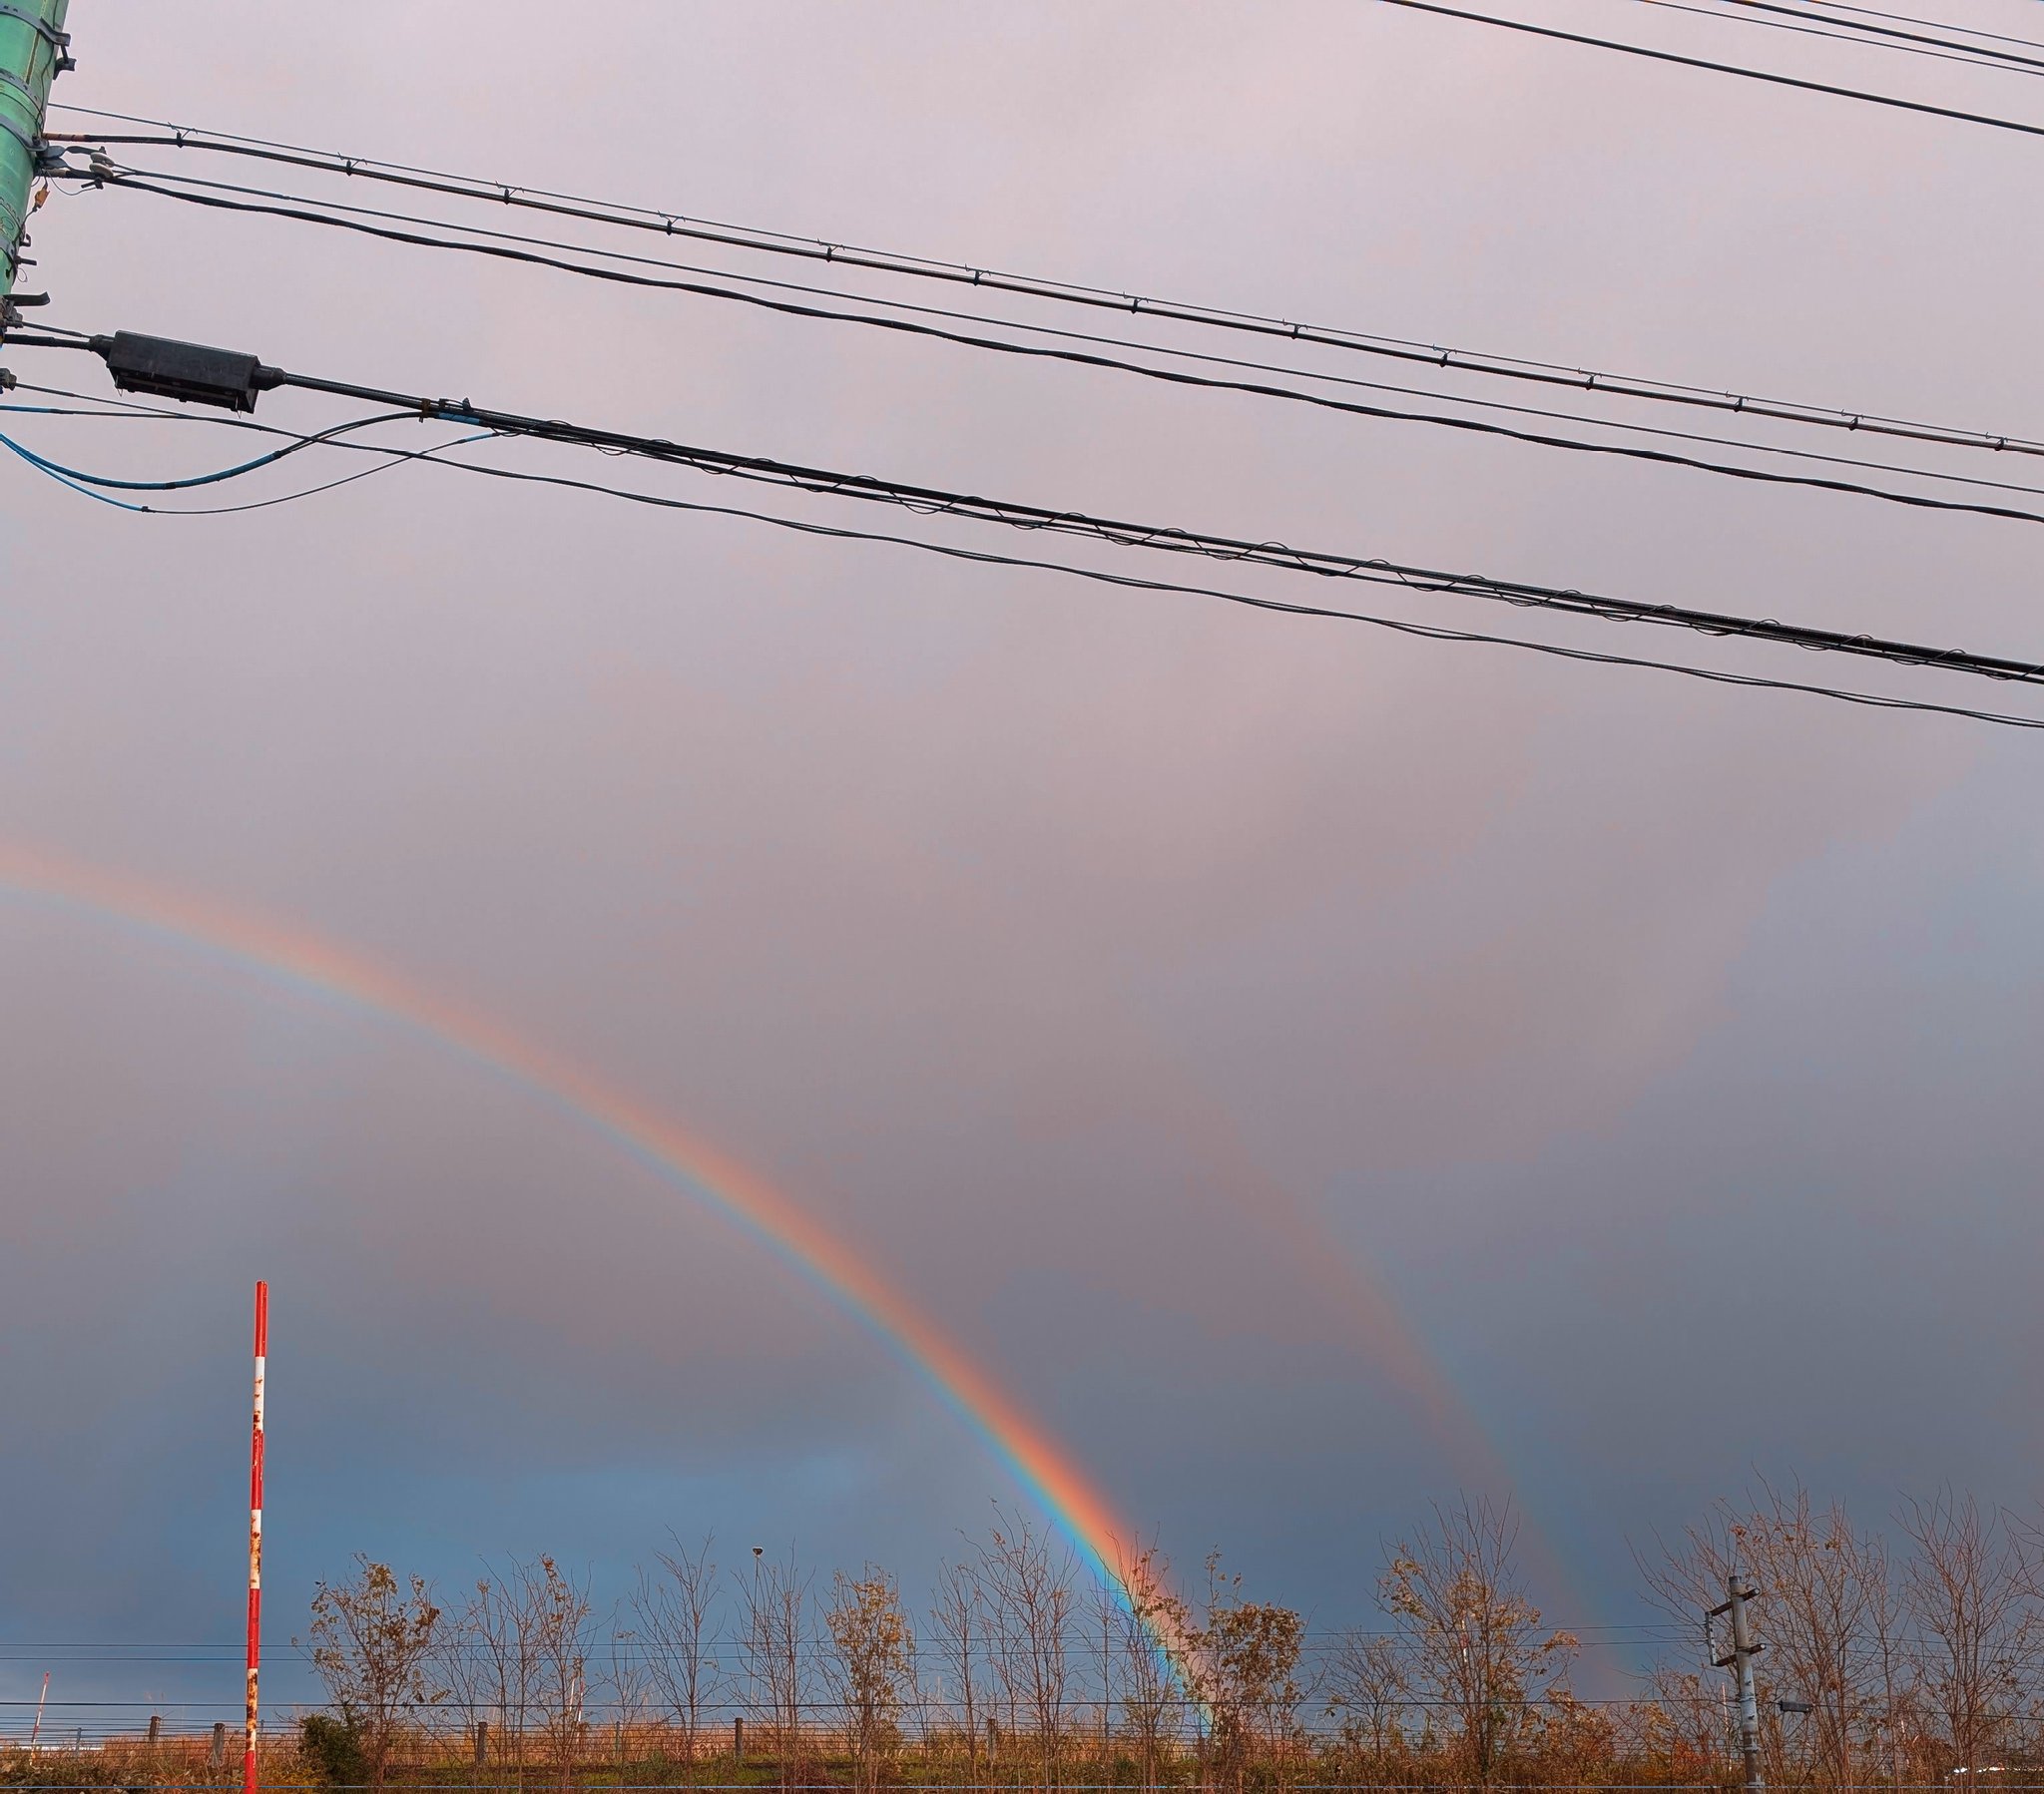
1980	55
296	446
1847	31
141	410
130	412
1902	18
84	484
1171	311
87	410
1206	358
982	557
1078	358
45	328
397	458
1399	626
1721	68
938	501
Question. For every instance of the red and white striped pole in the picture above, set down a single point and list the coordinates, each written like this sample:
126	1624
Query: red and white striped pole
256	1536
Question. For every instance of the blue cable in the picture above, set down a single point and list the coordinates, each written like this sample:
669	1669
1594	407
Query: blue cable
62	411
72	477
50	468
57	470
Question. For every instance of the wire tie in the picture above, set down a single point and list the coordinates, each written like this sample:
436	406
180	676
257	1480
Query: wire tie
669	223
1444	357
507	195
1854	424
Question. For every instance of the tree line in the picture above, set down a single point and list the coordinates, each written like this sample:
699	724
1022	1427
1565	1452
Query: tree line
1895	1658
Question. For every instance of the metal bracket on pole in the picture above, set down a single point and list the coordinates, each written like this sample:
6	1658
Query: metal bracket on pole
57	39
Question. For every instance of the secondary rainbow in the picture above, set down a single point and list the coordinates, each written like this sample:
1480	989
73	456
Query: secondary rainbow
1045	1468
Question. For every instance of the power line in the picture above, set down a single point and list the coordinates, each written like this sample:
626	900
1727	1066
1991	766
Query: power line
262	205
85	486
1886	37
929	500
1856	32
1721	68
933	501
1425	632
298	446
90	485
673	224
88	411
1902	18
1173	352
128	411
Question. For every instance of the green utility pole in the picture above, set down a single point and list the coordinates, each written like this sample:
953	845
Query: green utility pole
33	47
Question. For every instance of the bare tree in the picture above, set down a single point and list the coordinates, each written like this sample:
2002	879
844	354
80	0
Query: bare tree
1475	1643
1030	1600
1967	1593
1104	1609
1828	1600
551	1615
957	1626
870	1666
775	1601
487	1661
1366	1689
1153	1669
1685	1728
635	1694
673	1611
372	1643
1826	1612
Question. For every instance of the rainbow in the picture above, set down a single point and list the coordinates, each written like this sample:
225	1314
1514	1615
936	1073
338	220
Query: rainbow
1045	1468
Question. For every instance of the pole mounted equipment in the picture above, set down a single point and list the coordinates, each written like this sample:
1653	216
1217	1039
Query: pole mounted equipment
190	371
34	46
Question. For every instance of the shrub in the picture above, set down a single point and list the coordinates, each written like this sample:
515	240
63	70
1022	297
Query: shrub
333	1750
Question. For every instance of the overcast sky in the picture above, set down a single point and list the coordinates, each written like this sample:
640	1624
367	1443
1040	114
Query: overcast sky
1311	1067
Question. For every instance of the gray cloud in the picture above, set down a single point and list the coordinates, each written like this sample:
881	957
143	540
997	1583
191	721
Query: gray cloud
1139	982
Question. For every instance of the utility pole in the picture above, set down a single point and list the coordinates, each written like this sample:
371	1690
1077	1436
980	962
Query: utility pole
1739	1663
33	48
252	1716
